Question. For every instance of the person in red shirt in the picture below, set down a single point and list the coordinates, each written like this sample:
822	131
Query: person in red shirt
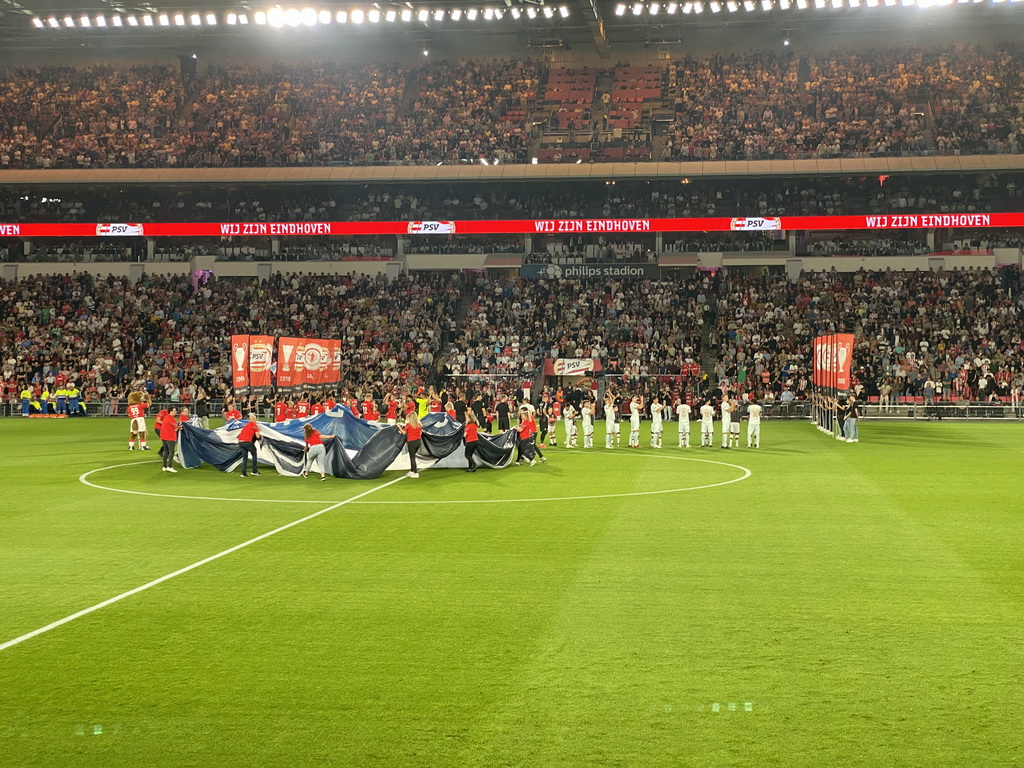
280	411
556	414
392	409
433	402
169	437
527	429
232	414
137	424
315	452
316	408
329	403
247	442
302	408
413	432
449	408
369	408
472	439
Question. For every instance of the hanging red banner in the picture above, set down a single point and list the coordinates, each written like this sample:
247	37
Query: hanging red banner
261	356
240	365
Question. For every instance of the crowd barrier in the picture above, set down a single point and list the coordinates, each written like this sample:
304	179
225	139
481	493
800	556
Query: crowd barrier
964	409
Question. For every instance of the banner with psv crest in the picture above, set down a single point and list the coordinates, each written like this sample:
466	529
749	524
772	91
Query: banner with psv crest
300	365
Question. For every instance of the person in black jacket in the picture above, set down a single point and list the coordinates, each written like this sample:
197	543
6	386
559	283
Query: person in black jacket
503	410
203	408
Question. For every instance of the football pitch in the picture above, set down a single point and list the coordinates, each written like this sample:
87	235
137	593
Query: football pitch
808	603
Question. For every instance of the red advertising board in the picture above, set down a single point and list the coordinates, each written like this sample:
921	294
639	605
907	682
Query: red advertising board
887	222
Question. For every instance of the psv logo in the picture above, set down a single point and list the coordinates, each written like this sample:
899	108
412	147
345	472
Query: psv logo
259	358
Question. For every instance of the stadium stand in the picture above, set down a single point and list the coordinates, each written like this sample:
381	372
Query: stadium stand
894	101
168	335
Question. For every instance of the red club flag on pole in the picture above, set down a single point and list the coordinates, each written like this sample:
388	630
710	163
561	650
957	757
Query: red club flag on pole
287	352
334	373
844	362
316	361
240	365
261	355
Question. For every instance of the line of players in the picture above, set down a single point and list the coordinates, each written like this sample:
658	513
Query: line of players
546	415
731	409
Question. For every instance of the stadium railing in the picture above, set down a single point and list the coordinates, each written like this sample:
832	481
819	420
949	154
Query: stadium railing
964	410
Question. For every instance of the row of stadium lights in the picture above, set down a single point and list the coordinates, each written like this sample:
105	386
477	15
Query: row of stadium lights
715	6
306	17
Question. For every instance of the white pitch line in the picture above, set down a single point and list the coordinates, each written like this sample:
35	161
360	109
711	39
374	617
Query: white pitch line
746	473
186	569
84	478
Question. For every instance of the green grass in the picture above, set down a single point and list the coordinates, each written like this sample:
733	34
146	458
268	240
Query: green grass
866	600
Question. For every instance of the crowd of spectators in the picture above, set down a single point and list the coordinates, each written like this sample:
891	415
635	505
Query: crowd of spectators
847	104
582	249
870	246
638	329
952	328
564	200
149	116
893	101
732	242
959	330
172	336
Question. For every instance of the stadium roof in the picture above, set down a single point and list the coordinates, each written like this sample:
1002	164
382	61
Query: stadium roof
39	24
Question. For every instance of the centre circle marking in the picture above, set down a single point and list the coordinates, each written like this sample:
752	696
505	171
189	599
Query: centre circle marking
84	479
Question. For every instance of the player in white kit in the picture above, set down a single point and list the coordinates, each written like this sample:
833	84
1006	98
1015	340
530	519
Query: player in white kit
727	408
683	412
707	425
635	406
657	425
587	411
734	425
609	421
569	416
753	426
